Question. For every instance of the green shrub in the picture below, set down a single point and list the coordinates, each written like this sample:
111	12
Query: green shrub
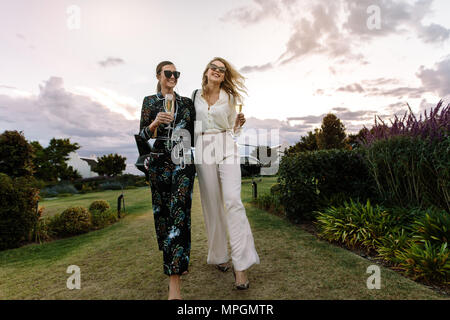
54	224
309	179
111	185
275	189
411	171
101	219
427	255
434	226
269	202
356	224
393	244
99	205
426	261
18	214
59	190
42	231
72	221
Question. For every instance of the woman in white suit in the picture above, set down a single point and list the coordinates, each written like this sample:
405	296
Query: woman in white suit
218	168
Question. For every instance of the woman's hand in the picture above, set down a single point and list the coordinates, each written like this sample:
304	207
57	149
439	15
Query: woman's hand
164	117
161	117
240	120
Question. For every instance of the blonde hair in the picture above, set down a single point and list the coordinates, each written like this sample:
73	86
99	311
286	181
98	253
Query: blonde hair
233	83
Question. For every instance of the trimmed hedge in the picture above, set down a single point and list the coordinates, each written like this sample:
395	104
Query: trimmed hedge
72	221
110	183
99	205
310	180
101	219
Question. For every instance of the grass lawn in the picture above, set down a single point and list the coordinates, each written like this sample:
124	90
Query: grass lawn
122	261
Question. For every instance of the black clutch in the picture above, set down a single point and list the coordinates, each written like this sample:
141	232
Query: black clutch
144	149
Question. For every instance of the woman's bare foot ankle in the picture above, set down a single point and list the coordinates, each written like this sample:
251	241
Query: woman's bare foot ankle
241	277
174	287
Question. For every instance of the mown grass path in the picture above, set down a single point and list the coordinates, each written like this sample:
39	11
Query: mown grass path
123	262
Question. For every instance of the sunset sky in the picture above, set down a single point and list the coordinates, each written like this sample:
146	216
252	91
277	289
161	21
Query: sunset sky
80	69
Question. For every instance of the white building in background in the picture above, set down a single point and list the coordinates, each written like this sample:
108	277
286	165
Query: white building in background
83	165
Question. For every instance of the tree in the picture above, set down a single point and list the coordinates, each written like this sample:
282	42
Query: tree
51	162
355	140
111	165
16	155
306	143
331	134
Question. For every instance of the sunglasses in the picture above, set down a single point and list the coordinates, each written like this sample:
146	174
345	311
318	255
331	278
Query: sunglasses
169	74
213	67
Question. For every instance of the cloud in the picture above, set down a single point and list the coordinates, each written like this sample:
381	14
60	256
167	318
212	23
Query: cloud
247	15
396	17
352	120
399	92
344	114
433	33
258	131
319	33
437	79
380	81
111	62
57	112
352	88
338	28
249	69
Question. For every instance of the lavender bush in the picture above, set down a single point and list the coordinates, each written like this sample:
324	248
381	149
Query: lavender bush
435	126
409	160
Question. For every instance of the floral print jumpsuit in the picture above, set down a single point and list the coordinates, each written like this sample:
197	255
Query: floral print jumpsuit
171	184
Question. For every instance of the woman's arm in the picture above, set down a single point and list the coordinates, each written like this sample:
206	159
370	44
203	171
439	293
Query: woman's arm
148	125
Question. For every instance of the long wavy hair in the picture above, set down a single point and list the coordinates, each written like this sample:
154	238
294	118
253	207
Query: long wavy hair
233	83
158	71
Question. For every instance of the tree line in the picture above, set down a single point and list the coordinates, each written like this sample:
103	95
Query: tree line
19	158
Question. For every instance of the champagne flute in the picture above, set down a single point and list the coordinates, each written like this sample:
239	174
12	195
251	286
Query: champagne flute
168	106
238	107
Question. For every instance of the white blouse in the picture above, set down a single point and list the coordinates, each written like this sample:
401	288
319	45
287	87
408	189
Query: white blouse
220	116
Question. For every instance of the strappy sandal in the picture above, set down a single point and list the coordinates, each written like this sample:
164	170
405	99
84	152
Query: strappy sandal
223	267
242	286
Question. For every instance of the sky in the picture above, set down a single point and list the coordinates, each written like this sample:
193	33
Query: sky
80	69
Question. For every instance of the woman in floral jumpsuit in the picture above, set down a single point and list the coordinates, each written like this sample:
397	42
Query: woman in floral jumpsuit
171	182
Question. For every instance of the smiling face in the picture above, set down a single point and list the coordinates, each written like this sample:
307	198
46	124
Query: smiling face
216	72
168	83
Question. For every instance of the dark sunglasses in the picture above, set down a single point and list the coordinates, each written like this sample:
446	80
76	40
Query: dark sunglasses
213	67
169	74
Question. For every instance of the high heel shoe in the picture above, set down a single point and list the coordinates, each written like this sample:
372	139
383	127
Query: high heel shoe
223	267
242	286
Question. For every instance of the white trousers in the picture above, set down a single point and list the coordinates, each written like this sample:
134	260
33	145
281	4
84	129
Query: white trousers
224	214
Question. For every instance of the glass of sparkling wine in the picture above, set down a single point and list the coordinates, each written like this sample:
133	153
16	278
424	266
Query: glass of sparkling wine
168	106
238	107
